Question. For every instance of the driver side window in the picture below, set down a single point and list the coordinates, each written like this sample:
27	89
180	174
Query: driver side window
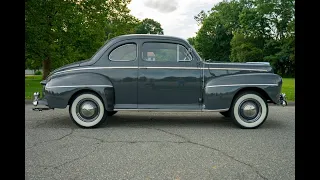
165	52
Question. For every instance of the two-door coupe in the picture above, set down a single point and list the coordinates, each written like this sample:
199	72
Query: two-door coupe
159	73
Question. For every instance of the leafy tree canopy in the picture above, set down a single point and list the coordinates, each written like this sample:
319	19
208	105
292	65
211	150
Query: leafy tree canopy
61	32
249	30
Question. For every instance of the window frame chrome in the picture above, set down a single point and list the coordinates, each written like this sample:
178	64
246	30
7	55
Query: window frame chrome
178	60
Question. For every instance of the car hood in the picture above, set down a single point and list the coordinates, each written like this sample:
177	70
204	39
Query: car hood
69	66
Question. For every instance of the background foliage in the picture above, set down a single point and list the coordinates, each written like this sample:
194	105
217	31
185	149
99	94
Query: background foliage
249	30
59	32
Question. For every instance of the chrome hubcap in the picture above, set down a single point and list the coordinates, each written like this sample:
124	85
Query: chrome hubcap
249	109
88	109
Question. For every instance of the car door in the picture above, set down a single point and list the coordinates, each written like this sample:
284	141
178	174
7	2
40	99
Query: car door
120	65
168	76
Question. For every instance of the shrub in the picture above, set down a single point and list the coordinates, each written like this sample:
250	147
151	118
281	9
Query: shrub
37	73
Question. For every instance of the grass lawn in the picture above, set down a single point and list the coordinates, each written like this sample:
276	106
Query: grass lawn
288	87
32	84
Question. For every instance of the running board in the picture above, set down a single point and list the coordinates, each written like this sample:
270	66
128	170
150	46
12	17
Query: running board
174	110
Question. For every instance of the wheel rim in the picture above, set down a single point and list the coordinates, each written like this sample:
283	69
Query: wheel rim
250	110
87	110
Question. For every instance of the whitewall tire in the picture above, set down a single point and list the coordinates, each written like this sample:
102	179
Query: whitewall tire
87	110
249	110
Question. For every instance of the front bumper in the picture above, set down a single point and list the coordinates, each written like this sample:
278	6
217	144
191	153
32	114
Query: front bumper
38	103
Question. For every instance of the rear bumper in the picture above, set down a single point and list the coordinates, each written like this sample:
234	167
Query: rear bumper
282	100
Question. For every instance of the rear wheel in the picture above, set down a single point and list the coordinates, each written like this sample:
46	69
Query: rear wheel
87	110
249	110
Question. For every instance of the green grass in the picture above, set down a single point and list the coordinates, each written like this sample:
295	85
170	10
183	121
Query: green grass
32	84
288	87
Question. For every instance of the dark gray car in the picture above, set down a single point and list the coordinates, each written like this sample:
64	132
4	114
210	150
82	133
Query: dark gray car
160	73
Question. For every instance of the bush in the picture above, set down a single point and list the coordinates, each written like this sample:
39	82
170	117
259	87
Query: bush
38	73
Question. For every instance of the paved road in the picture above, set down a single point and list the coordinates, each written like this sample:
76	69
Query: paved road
159	145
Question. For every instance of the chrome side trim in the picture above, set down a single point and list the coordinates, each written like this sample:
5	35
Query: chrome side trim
78	86
267	63
91	68
174	110
215	110
243	85
250	74
235	63
182	68
238	69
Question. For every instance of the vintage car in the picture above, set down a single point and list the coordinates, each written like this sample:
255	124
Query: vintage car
159	73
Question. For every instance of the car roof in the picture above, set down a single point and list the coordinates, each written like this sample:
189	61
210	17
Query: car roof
147	36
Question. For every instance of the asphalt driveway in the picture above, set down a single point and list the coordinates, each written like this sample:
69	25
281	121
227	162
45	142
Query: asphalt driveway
159	145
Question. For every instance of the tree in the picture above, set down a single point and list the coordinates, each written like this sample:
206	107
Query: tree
33	64
191	40
213	40
273	22
60	32
283	57
256	30
126	24
200	17
148	26
245	49
217	27
228	14
120	22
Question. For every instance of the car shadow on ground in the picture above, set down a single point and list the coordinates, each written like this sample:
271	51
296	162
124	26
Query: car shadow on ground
166	121
152	121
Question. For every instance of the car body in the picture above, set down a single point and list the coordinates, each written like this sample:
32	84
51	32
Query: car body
159	73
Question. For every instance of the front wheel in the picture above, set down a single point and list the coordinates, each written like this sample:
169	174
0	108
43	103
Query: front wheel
249	110
87	111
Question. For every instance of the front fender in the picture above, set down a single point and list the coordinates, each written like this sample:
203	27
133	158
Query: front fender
59	89
219	92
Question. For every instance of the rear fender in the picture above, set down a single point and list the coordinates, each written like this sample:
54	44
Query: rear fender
219	92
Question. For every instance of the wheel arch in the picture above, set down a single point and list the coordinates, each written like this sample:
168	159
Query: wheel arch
258	90
87	90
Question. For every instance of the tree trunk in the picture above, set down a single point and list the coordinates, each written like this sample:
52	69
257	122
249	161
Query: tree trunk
46	66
